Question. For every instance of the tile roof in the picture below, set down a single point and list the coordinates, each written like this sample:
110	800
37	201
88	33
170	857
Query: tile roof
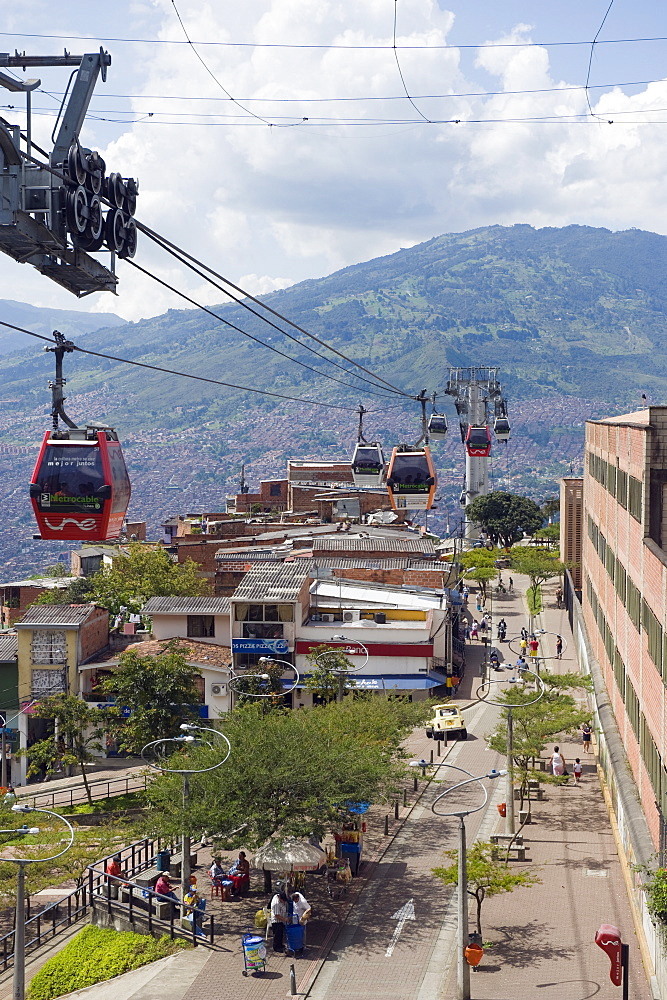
357	543
272	582
186	606
56	614
196	651
9	647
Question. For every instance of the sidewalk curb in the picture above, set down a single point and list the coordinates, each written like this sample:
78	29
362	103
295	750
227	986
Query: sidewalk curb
629	888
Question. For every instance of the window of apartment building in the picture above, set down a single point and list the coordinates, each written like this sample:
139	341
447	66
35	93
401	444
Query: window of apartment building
48	646
619	673
632	706
653	630
201	626
622	488
48	682
621	581
651	758
610	563
264	621
633	603
611	478
635	498
274	489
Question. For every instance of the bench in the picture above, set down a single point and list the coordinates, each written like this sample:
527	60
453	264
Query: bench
536	791
501	841
175	863
160	907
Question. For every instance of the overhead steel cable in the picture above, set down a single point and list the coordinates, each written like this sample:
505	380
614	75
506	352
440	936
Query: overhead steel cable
173	371
295	326
199	270
400	71
590	60
233	326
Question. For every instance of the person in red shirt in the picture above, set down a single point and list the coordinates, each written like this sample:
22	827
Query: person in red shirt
534	646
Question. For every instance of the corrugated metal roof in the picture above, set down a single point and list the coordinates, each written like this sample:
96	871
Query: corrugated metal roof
263	554
9	647
42	583
56	614
270	582
186	606
356	543
401	562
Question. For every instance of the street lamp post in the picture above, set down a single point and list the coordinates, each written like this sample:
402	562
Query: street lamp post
462	967
509	795
189	738
18	990
350	652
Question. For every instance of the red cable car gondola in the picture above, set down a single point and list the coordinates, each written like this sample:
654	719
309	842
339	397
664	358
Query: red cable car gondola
80	489
478	441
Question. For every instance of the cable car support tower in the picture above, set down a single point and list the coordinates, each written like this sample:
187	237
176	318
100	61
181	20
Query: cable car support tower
478	400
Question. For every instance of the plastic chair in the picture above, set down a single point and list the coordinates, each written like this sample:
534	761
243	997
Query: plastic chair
217	888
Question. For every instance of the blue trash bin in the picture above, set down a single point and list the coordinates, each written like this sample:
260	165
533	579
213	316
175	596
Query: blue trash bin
163	859
296	934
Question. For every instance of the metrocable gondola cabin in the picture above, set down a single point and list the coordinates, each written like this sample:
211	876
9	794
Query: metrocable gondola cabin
411	479
437	426
80	489
478	441
501	428
368	465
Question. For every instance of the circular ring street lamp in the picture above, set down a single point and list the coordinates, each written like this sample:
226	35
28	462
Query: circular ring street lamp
188	738
509	796
538	634
462	967
18	992
349	652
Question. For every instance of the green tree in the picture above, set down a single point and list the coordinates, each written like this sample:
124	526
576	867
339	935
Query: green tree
479	566
539	566
486	875
145	573
158	691
328	667
505	517
291	773
555	714
79	729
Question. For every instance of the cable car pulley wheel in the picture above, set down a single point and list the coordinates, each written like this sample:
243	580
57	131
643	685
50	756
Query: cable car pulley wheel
115	230
130	247
77	210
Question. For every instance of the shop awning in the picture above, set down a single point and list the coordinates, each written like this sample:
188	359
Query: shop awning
401	682
388	682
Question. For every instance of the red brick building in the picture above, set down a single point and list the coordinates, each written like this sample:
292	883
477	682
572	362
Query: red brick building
624	589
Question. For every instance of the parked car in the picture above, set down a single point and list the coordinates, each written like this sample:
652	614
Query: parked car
447	722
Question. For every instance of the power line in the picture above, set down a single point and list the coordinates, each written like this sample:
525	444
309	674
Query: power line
210	71
590	58
190	375
578	42
400	71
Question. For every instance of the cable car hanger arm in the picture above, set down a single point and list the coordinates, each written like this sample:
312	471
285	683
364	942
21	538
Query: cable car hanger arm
63	346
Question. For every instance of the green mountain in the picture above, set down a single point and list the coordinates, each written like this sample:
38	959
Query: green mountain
44	321
574	318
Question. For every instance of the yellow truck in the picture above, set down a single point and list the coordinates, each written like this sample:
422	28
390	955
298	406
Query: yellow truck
447	723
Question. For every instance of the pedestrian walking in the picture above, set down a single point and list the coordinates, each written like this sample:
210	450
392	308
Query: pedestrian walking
577	768
557	763
510	585
474	630
524	634
467	632
523	645
521	664
559	598
466	595
534	646
279	914
559	647
586	733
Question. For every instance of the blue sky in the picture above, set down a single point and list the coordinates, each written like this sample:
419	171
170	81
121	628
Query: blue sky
269	205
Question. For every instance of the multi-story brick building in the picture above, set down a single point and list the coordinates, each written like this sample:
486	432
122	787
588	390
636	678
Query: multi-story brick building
624	589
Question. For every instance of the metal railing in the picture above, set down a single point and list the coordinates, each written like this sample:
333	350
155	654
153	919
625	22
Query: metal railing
97	890
77	794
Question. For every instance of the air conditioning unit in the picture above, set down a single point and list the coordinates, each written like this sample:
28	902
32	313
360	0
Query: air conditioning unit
351	615
327	618
218	689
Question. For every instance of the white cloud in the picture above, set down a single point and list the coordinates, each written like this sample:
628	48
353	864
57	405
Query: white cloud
259	202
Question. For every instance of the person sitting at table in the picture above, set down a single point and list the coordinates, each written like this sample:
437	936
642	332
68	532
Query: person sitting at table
241	866
113	869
